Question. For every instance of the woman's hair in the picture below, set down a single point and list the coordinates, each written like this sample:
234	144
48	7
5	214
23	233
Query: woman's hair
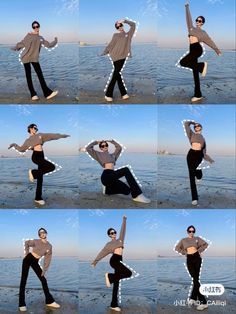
198	124
100	144
202	18
109	230
120	25
191	227
35	22
42	229
31	126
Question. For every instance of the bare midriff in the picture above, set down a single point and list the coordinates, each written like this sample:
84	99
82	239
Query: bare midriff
196	146
191	250
36	255
38	148
193	39
109	165
118	251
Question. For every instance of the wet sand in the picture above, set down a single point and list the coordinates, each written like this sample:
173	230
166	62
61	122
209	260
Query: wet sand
35	301
98	303
25	99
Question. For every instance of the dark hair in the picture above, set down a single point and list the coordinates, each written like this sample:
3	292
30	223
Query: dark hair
31	126
202	18
198	124
117	25
35	22
109	230
191	227
100	144
41	230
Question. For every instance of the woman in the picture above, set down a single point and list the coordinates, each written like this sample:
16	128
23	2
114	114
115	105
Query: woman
40	247
195	155
196	36
110	177
119	49
192	247
114	247
32	44
35	142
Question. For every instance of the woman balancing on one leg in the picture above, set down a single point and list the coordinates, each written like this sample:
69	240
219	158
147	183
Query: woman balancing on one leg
35	142
196	36
110	177
32	44
115	247
193	247
195	155
119	49
40	247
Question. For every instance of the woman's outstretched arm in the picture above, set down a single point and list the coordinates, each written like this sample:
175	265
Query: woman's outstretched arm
104	252
22	148
21	44
123	229
52	136
48	44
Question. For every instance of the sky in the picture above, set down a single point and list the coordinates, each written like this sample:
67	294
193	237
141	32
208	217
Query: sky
135	126
218	226
61	225
14	120
58	18
218	123
219	15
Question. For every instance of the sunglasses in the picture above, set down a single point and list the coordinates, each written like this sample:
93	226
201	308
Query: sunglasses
113	232
199	21
42	232
104	145
35	128
35	26
197	126
191	231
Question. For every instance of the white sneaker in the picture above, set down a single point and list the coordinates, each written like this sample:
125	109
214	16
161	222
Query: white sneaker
54	305
202	307
22	308
198	181
53	94
117	308
142	199
195	99
204	72
103	189
108	284
195	202
31	177
125	96
108	98
40	202
35	97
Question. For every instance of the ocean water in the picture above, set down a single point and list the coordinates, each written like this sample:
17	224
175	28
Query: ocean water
62	274
60	69
144	166
92	279
95	69
15	170
220	69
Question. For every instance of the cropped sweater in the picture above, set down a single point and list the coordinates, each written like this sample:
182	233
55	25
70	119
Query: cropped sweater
196	138
201	35
113	244
32	44
120	45
37	139
104	157
196	242
40	248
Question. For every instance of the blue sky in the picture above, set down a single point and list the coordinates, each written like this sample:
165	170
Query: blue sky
135	126
14	120
62	227
57	18
220	22
97	19
218	123
218	226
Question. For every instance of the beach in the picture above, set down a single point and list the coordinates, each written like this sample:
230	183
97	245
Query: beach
25	99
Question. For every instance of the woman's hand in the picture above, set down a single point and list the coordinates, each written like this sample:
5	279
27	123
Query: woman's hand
11	145
219	53
124	217
187	2
93	265
56	38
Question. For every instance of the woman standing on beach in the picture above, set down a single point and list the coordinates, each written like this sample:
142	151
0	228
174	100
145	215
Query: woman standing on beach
193	247
195	155
115	247
35	142
110	177
119	49
40	248
31	46
196	36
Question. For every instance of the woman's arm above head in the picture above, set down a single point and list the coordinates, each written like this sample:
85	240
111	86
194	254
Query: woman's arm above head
188	16
91	151
187	127
123	229
118	149
48	44
132	27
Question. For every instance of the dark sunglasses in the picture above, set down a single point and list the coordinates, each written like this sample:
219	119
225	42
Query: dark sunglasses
191	231
34	127
199	21
197	126
104	145
36	26
113	232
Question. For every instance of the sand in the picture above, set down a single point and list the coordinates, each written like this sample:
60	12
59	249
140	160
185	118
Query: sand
25	99
98	303
35	301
